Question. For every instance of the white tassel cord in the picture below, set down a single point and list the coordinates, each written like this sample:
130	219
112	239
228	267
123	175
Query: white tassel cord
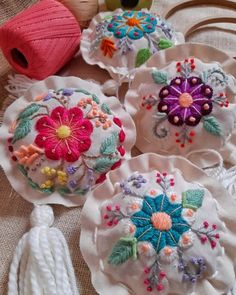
18	84
41	263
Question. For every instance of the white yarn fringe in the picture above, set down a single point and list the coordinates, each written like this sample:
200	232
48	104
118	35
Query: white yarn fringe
18	84
41	263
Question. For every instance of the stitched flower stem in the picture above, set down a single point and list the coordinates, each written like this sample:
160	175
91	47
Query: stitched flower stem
164	181
155	277
114	215
207	235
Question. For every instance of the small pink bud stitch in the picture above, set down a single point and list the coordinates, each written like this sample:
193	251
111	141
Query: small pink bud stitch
162	275
214	226
115	221
164	174
206	224
117	207
217	236
146	282
109	208
149	289
146	270
160	287
110	223
203	239
106	216
213	244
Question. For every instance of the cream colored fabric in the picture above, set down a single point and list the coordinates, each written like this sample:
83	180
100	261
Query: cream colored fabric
15	212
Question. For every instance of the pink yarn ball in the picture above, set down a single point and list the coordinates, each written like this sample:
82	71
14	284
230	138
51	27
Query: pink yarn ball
40	40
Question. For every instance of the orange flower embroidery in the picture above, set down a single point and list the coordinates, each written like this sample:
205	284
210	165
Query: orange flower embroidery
108	47
26	155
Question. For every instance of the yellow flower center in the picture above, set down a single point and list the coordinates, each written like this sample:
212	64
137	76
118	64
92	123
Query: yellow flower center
185	100
63	132
161	221
132	22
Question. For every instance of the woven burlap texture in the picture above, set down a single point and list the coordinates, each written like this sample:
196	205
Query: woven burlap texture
15	211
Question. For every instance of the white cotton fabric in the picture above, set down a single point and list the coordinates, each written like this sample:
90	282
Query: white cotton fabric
97	240
17	180
205	57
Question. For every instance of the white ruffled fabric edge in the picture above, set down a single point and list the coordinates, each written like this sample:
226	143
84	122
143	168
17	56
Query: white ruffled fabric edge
91	218
54	82
117	73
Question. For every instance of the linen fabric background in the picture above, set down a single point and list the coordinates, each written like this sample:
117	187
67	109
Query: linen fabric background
15	211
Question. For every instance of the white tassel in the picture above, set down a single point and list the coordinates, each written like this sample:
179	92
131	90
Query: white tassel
41	263
18	84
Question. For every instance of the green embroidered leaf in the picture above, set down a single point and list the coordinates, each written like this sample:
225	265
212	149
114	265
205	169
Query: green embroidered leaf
33	184
95	98
81	191
204	76
104	164
22	170
192	199
212	126
30	110
37	187
106	109
47	190
160	116
82	91
64	191
109	145
142	56
123	250
22	130
159	77
165	43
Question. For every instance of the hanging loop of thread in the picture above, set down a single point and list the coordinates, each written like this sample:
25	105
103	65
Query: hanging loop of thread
41	263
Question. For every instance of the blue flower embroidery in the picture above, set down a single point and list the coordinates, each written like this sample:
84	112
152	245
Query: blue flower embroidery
159	222
133	24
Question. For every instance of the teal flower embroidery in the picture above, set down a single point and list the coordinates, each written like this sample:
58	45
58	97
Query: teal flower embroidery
159	222
133	24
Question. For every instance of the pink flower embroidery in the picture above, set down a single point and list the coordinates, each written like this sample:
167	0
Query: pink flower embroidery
65	134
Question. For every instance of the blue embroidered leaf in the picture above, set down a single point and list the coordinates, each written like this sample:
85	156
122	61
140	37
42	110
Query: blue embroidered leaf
22	170
109	145
159	77
104	164
165	43
212	126
142	56
106	109
29	110
95	98
192	199
22	130
123	250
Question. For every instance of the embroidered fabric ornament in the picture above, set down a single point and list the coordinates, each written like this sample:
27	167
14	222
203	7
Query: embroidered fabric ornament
61	138
41	45
185	104
148	229
121	41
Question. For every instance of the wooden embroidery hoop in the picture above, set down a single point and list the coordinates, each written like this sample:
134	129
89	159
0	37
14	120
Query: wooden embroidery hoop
204	21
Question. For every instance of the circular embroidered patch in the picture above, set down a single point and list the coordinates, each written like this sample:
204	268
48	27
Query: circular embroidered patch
120	41
150	230
185	106
63	137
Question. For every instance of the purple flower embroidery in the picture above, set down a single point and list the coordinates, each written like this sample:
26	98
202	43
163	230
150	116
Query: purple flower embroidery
185	101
